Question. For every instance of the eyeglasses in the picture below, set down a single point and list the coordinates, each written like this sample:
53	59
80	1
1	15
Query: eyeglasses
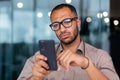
66	23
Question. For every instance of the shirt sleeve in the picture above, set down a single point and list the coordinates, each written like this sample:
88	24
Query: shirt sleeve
106	65
27	69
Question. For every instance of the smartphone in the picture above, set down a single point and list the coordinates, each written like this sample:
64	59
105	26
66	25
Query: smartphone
47	48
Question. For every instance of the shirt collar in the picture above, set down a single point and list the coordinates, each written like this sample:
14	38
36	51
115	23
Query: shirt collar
80	49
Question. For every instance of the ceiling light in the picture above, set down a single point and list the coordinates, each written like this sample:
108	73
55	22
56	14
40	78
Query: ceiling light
68	1
116	22
49	14
99	15
105	14
106	20
88	19
39	15
20	5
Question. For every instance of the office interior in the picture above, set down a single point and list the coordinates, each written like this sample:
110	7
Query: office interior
24	22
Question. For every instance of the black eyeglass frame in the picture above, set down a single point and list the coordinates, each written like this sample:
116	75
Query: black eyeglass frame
71	19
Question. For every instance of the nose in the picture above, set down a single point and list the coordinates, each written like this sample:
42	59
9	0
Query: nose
62	28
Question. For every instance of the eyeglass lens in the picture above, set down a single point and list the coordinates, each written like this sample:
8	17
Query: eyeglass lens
66	23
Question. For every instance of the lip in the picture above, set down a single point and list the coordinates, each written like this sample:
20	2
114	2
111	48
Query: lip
64	36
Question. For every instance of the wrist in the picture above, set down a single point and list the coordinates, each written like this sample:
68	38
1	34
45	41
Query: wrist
86	63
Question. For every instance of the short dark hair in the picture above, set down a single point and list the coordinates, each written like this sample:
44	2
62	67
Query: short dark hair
60	6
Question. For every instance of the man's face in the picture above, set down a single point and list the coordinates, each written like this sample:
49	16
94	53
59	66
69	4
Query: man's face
66	35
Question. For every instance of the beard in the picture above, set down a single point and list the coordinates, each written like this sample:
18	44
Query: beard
72	39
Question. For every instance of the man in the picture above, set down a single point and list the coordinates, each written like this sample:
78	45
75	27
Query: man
76	59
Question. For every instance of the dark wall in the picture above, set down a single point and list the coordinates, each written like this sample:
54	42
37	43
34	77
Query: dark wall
115	8
115	34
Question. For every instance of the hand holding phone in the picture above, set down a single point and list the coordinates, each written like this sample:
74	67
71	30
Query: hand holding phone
47	48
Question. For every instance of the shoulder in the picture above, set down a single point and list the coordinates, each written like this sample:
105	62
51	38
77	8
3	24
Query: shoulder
91	49
96	54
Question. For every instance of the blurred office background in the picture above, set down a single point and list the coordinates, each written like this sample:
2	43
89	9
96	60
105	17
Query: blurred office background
24	22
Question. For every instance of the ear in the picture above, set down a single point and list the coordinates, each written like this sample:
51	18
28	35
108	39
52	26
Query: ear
78	22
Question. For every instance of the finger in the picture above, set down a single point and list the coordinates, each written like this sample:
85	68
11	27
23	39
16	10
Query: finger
62	55
43	64
43	71
60	59
63	58
40	57
59	55
37	75
68	64
72	64
66	61
39	72
58	69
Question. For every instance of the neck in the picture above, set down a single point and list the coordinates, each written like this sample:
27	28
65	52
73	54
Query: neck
74	45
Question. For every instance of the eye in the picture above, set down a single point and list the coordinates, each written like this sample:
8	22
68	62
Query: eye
66	21
55	25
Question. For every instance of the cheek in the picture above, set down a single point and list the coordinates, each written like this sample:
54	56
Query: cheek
57	33
74	31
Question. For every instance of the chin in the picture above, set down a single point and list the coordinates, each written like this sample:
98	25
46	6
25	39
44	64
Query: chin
66	42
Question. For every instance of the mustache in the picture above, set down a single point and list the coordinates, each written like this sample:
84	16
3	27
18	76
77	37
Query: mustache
63	33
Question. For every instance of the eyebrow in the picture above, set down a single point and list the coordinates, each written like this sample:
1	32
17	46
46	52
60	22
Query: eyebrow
61	20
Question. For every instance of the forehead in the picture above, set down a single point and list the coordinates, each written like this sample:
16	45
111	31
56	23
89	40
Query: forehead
60	14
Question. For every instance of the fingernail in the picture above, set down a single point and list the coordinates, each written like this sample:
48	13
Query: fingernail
58	69
45	58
